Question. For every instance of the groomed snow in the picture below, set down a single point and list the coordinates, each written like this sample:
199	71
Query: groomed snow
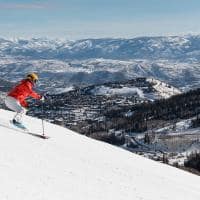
103	90
73	167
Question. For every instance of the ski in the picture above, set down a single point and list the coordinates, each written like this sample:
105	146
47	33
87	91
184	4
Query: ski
19	125
38	135
35	134
25	131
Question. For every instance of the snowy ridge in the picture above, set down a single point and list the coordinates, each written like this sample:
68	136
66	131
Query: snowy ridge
71	166
159	89
164	90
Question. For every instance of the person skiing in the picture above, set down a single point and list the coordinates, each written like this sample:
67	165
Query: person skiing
16	98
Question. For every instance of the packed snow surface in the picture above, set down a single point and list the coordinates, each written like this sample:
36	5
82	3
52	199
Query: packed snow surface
73	167
103	90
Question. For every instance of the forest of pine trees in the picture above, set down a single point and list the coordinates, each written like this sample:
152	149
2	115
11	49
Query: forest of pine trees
182	106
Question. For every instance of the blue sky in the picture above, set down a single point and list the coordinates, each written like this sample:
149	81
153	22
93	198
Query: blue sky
76	19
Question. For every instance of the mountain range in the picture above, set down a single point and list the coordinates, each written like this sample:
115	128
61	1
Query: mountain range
174	60
184	48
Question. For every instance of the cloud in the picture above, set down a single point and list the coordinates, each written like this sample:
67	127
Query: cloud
24	6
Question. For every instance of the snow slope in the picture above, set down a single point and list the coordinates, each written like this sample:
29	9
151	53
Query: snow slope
103	90
73	167
163	89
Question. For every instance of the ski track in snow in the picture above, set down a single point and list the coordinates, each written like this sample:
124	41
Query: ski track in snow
74	167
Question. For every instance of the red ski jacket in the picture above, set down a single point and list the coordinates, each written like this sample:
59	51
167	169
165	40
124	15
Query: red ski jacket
23	90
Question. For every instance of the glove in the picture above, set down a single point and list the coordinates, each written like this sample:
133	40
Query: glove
42	99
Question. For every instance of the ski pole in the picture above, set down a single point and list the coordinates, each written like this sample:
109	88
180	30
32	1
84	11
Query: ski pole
42	119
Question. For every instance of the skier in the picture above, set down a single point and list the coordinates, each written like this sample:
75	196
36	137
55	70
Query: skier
16	98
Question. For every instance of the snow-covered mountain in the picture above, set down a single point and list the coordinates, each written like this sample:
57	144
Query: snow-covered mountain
174	47
72	166
59	74
162	89
174	60
143	88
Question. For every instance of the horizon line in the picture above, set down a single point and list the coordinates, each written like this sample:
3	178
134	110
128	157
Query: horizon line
93	38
